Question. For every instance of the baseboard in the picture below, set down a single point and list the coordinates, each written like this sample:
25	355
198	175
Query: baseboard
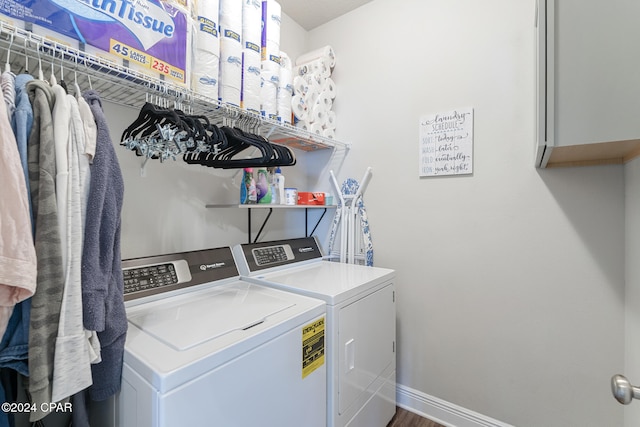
441	411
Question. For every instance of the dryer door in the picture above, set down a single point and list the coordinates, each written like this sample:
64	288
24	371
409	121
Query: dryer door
366	337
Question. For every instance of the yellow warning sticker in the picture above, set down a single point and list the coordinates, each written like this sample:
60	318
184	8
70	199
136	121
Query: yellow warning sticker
312	346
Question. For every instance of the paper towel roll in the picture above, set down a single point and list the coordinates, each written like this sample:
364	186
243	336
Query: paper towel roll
252	24
206	46
285	62
299	71
300	85
230	81
285	93
316	128
329	87
304	125
231	14
271	19
229	94
331	120
325	101
319	115
206	37
251	81
269	97
329	133
205	75
323	52
299	107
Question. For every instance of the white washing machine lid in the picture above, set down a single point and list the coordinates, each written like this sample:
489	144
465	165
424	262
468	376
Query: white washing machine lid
179	322
173	340
332	282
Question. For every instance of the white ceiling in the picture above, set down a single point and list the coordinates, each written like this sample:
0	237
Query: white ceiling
312	13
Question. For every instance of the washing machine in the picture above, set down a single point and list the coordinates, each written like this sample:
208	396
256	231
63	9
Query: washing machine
360	333
204	348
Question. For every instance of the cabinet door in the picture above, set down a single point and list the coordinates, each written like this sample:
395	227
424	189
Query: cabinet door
597	77
588	85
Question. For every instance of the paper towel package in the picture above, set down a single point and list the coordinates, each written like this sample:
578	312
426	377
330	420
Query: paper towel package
150	36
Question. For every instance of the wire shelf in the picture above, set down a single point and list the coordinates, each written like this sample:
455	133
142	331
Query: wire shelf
32	53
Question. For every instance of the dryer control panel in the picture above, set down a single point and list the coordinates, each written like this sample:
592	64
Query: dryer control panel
254	257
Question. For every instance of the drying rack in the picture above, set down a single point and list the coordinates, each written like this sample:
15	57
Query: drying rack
121	85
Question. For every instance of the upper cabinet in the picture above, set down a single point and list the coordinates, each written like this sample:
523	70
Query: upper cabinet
588	82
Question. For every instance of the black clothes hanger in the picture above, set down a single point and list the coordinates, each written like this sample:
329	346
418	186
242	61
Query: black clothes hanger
164	133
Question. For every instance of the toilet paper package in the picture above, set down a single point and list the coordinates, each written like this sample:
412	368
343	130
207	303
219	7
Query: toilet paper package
251	81
206	46
150	37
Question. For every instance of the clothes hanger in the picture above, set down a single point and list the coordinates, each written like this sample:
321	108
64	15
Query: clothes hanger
7	65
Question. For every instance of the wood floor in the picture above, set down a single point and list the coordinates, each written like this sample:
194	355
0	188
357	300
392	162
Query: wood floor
404	418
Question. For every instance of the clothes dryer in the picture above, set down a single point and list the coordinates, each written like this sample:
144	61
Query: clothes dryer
361	358
204	348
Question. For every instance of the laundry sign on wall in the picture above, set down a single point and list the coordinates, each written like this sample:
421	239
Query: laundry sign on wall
446	143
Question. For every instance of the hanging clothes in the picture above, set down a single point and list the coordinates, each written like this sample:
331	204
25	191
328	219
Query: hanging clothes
14	346
21	123
73	354
18	264
7	81
46	302
17	253
102	281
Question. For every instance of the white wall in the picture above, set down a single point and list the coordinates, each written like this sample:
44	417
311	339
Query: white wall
632	288
510	281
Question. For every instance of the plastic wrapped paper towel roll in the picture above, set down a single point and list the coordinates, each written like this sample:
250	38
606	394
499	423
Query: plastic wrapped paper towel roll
231	15
230	81
285	89
206	58
251	81
252	24
323	52
269	94
271	20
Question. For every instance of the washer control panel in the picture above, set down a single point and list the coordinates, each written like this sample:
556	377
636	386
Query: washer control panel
154	276
159	274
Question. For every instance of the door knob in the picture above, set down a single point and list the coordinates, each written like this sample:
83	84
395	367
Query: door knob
622	390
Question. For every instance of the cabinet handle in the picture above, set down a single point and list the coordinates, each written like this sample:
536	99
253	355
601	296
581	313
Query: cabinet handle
622	389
